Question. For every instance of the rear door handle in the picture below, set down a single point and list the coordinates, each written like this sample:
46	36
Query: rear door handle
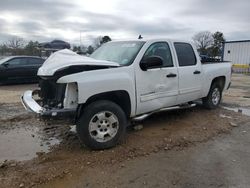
171	75
197	72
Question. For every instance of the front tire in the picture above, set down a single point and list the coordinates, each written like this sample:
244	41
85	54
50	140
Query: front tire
102	125
213	98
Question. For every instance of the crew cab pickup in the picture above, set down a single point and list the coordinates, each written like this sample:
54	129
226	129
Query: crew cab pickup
123	81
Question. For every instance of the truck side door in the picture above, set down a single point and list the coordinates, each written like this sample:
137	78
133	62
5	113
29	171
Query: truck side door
190	73
158	87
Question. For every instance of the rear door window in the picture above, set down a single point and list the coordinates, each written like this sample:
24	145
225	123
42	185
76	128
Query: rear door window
35	61
185	54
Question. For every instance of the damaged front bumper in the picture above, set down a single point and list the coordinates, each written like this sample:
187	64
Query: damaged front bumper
30	104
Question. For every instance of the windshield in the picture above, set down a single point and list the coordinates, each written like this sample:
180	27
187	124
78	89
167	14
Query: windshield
3	60
123	53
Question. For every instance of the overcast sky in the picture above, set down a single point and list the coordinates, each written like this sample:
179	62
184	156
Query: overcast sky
45	20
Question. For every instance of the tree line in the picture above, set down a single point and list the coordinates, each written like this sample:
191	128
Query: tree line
91	48
209	44
18	46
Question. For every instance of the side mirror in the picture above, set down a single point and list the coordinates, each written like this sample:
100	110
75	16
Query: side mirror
151	63
6	64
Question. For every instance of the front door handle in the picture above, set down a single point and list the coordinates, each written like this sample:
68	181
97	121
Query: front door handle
197	72
171	75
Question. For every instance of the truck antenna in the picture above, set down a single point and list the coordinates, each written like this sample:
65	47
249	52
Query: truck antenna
140	37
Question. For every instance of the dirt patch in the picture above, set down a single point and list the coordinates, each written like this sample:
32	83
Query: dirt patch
23	144
163	131
239	92
12	93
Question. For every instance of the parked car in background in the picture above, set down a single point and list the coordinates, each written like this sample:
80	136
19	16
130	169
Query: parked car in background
206	58
55	44
19	69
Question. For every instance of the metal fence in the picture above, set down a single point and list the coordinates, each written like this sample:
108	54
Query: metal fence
241	68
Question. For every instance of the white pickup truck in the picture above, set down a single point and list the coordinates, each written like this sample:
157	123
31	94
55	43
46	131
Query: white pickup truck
123	81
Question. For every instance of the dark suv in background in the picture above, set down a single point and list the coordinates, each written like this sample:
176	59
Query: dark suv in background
55	44
19	69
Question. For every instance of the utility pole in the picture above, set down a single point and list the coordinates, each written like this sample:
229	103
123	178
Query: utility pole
80	38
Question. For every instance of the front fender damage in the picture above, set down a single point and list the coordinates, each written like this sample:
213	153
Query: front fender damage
54	98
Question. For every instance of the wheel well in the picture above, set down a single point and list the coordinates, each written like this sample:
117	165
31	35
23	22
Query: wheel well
120	97
220	81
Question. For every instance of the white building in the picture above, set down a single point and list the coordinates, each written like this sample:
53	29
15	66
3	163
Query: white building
238	52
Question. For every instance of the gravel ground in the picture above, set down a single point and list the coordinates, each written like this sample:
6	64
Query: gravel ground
186	148
12	93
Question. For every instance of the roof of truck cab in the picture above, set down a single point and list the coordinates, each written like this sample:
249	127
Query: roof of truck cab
152	40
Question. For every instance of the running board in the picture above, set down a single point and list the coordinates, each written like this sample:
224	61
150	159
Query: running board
144	116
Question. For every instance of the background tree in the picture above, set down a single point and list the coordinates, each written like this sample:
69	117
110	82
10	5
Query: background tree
76	48
90	49
105	39
98	41
4	50
82	50
203	41
32	48
16	44
218	40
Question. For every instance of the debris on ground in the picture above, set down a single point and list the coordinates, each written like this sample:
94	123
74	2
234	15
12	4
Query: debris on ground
138	127
233	124
3	164
225	116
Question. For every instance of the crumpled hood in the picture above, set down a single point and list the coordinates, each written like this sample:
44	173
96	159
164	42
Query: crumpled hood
66	58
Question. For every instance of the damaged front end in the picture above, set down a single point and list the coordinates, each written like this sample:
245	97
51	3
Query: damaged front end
54	99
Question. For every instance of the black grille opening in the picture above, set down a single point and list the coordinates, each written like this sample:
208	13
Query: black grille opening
51	93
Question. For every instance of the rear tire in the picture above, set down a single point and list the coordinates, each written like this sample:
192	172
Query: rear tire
102	125
213	98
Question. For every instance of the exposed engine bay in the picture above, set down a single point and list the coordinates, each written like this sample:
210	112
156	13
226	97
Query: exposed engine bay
51	93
